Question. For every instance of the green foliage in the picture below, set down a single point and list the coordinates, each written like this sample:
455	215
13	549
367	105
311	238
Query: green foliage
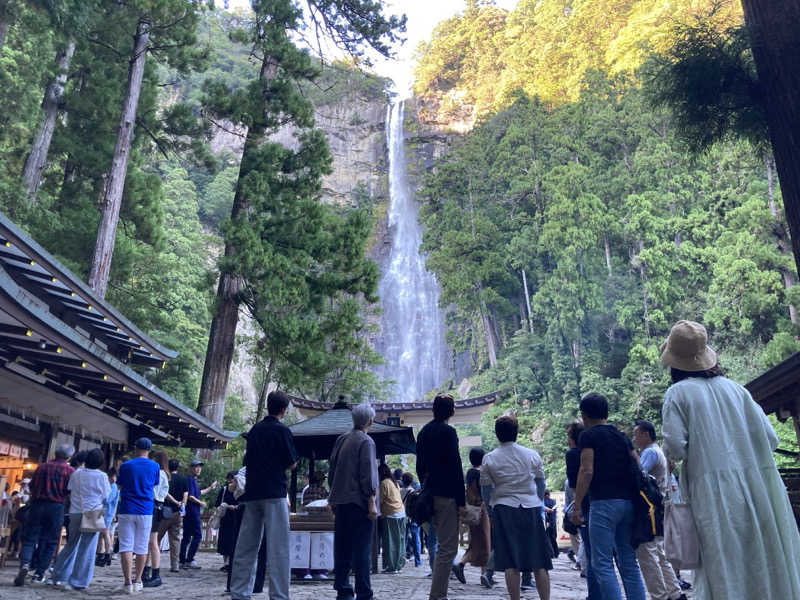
476	61
620	234
708	79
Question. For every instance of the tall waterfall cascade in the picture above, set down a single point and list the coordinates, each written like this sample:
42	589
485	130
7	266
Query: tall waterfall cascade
412	340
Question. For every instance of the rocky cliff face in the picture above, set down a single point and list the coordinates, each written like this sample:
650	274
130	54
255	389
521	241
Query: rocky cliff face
355	126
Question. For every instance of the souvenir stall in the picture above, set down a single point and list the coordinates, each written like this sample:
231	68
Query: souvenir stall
311	541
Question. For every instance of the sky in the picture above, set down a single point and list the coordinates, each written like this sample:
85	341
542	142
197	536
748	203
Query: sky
423	16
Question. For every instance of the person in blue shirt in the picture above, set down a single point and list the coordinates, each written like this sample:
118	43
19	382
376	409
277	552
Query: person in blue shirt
137	478
192	525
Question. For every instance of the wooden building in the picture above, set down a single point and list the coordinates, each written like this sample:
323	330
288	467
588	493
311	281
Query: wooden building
72	368
408	413
778	393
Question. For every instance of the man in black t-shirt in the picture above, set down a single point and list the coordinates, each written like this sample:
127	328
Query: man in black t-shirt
171	525
270	452
606	474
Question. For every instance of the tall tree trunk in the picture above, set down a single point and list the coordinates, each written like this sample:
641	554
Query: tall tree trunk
607	247
34	164
491	348
780	233
645	296
222	337
115	184
776	49
266	373
5	19
527	300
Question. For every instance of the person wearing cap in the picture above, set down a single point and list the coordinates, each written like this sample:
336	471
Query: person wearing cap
137	479
192	525
749	543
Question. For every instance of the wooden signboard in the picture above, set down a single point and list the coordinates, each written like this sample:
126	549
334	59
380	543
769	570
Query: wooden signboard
322	551
299	549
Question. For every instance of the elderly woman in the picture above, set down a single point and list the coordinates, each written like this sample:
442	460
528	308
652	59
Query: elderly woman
520	541
88	489
749	544
353	478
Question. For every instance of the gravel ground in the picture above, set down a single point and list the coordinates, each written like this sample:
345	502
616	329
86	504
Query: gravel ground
209	583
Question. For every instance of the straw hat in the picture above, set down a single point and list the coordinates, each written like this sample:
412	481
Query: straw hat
686	348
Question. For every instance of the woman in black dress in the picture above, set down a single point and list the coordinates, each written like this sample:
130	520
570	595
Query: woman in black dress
226	536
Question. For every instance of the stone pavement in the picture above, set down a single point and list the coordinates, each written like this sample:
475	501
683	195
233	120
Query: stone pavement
209	583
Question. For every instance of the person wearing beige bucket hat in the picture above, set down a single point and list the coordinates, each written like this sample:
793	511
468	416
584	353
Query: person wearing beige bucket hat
686	348
749	542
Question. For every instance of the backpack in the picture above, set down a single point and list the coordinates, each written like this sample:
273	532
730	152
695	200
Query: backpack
648	509
418	505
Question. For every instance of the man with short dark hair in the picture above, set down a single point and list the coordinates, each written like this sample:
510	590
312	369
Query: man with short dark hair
179	490
137	479
46	514
440	472
270	452
192	525
606	475
658	574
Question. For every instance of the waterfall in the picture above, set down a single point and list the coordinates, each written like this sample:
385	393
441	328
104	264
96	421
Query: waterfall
412	340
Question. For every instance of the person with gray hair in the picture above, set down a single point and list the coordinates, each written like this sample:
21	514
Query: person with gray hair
46	514
353	477
363	414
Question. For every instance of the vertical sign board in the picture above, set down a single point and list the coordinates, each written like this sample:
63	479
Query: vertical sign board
322	551
299	549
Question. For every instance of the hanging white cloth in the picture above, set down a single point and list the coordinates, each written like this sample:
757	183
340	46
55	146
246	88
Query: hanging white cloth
750	546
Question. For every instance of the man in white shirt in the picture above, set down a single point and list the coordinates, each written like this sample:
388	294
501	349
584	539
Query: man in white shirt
657	572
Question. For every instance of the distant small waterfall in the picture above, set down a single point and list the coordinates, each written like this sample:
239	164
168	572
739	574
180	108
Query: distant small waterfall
412	340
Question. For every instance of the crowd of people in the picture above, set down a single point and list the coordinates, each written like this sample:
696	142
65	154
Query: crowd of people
746	533
143	500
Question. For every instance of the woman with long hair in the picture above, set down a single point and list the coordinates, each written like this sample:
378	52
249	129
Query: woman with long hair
88	490
749	543
477	553
392	522
229	505
105	543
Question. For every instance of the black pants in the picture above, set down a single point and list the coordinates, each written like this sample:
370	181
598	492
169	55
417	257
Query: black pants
192	535
352	548
40	532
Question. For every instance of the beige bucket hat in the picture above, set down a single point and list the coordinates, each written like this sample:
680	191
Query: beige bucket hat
686	348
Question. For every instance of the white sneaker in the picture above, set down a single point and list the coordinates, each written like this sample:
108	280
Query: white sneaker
307	576
138	586
127	588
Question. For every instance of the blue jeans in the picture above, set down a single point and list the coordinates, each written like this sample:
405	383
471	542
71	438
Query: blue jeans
192	535
263	519
41	530
591	578
610	523
352	548
412	541
433	545
75	562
